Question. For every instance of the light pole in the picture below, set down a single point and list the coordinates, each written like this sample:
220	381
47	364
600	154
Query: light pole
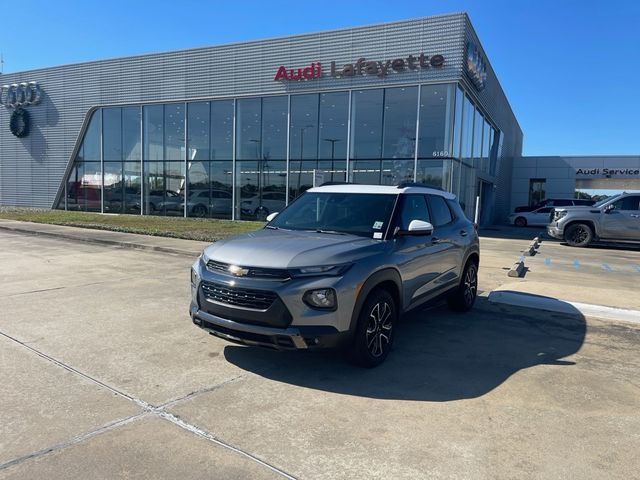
333	145
302	129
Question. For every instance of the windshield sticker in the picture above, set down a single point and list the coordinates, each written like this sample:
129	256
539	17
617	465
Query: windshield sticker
377	235
377	225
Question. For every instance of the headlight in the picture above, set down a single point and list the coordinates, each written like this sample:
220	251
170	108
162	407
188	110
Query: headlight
560	214
323	298
322	270
194	277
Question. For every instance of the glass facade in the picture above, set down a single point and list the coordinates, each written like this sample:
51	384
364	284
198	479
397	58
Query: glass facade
246	158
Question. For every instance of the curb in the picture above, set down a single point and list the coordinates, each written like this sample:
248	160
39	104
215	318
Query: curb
101	241
549	304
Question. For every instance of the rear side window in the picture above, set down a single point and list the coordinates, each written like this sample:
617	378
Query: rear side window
439	211
414	208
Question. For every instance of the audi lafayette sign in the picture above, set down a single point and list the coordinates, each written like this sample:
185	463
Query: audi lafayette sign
20	94
362	66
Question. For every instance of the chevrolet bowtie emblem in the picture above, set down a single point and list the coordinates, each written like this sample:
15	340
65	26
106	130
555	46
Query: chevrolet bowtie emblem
238	271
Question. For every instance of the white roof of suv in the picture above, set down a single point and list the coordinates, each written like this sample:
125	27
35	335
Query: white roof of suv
383	189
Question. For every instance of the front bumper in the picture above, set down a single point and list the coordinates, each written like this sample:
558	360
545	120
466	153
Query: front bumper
555	232
290	338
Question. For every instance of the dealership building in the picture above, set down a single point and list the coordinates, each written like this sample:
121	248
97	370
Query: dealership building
237	131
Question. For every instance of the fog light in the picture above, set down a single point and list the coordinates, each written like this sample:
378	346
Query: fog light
324	298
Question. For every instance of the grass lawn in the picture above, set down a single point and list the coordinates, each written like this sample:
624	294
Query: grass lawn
176	227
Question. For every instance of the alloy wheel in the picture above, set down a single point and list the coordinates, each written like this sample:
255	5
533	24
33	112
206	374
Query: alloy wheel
579	235
379	329
470	284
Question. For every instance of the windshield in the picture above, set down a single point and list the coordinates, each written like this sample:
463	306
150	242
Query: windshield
362	214
605	200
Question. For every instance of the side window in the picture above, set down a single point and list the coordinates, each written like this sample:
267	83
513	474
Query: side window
439	210
544	210
628	203
562	203
414	208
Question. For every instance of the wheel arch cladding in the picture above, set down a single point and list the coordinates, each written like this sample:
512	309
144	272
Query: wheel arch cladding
390	280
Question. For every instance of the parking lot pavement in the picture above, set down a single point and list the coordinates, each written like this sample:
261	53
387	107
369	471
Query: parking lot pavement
604	274
103	376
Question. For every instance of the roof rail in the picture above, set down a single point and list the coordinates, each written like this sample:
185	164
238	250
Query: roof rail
328	184
416	184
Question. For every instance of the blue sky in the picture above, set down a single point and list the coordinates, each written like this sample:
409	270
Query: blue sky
568	67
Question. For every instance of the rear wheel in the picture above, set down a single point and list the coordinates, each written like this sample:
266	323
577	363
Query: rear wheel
463	297
374	333
200	211
521	222
578	235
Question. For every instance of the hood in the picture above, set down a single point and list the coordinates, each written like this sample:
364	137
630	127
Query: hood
578	208
291	249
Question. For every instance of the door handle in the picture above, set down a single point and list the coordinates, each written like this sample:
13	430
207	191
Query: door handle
463	233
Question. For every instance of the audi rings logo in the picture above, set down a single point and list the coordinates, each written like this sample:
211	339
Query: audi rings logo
476	66
20	94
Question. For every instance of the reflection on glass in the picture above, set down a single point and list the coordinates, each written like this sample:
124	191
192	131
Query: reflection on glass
334	112
198	131
366	124
174	148
153	128
249	115
131	142
83	187
399	133
477	139
222	130
132	186
90	148
457	129
261	188
301	174
112	133
274	128
436	107
468	113
304	127
113	187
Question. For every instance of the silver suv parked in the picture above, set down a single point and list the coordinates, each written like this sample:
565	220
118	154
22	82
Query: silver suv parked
614	219
338	267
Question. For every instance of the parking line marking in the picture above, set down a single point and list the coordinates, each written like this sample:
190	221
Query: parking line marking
576	264
606	267
547	262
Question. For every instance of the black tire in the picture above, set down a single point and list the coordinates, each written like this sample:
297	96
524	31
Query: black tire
520	222
374	333
463	297
578	235
199	211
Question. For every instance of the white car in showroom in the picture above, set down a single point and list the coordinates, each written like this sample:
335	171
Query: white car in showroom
538	217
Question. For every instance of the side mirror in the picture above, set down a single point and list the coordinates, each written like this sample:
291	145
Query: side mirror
271	216
609	208
417	227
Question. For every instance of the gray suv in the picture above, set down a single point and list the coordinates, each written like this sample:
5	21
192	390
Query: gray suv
614	219
338	267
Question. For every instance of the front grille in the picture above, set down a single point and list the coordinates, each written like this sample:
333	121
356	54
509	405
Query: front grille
238	297
253	272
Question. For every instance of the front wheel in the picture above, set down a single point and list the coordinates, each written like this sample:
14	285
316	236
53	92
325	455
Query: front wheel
374	333
579	235
463	297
